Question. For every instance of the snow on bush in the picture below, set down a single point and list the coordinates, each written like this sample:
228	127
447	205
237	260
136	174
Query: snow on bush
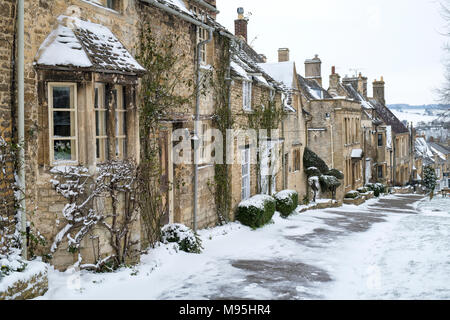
310	159
362	190
256	211
352	195
187	240
287	202
312	172
377	188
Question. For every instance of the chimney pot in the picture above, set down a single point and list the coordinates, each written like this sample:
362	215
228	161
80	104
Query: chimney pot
333	70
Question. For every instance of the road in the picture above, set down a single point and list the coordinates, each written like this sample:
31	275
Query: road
397	247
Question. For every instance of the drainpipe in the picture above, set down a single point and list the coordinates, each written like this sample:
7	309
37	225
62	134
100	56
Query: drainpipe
21	124
196	124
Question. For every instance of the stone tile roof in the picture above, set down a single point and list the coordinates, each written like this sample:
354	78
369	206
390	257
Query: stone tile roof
75	43
388	117
312	90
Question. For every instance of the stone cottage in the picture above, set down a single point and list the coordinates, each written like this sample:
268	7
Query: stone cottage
334	129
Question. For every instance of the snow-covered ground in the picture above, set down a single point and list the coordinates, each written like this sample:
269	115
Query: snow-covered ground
415	115
394	248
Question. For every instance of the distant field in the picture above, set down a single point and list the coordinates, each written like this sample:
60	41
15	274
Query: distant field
416	115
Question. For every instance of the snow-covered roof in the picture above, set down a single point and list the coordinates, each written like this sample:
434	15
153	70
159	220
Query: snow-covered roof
438	150
423	150
282	72
355	95
312	90
81	44
388	117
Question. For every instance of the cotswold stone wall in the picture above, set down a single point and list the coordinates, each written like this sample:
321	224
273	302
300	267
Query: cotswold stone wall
7	18
44	205
30	284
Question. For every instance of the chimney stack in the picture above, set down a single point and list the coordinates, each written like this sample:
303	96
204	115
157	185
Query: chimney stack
313	69
241	25
378	91
362	86
283	55
335	79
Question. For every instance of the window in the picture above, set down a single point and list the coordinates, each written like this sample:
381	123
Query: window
63	123
120	122
199	13
380	139
113	4
380	172
202	35
245	155
247	95
101	135
297	162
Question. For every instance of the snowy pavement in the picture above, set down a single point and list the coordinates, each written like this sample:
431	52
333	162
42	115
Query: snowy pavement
394	248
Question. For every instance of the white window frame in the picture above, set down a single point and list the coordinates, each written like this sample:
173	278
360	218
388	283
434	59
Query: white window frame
102	108
245	164
247	95
204	143
202	35
117	137
52	137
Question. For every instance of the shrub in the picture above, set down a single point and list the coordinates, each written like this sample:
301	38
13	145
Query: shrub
329	183
362	190
312	172
306	200
336	173
256	211
287	202
352	195
188	240
377	188
310	159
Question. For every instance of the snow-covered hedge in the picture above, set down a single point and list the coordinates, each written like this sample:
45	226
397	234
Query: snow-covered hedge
362	190
352	195
287	202
377	188
312	160
186	239
256	211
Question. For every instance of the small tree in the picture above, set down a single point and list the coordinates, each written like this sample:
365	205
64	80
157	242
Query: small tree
429	180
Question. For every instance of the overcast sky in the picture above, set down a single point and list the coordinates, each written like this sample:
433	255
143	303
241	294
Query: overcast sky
398	39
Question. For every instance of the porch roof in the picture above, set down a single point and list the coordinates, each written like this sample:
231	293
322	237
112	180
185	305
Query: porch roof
79	44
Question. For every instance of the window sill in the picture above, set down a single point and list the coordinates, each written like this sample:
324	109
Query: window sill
206	67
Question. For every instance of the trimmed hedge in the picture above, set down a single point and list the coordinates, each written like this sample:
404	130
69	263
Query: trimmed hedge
256	211
287	202
362	190
187	240
313	172
377	188
352	195
310	159
336	173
